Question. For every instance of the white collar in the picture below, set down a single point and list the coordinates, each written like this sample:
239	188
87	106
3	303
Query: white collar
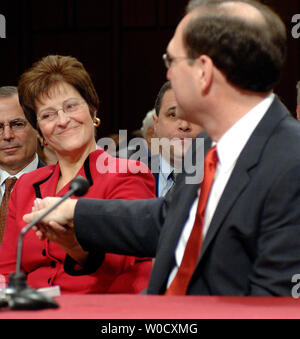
30	167
165	167
234	140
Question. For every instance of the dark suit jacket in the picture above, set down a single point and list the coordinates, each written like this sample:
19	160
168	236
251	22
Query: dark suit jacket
252	246
41	163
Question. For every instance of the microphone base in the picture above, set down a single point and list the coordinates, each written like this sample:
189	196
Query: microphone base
22	297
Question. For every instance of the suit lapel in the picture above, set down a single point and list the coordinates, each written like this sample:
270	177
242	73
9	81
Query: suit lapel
47	186
156	182
177	207
177	211
184	195
41	163
249	158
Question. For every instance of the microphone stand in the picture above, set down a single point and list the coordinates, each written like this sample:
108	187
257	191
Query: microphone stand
19	295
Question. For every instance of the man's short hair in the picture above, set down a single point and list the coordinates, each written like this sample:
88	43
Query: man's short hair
8	91
250	53
165	87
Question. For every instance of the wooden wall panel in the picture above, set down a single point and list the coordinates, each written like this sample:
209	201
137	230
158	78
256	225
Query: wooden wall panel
89	15
136	13
120	42
9	61
291	74
52	14
143	72
170	12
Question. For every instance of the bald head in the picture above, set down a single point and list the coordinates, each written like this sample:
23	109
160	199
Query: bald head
250	10
242	10
245	39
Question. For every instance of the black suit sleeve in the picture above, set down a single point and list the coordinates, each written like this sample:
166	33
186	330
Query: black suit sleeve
94	261
118	226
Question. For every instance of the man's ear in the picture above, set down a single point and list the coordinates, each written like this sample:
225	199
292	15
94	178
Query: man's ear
204	72
149	132
155	122
298	112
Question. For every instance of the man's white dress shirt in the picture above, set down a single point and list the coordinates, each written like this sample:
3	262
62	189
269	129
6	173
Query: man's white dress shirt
229	148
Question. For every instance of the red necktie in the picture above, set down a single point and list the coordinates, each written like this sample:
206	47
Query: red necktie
9	184
192	251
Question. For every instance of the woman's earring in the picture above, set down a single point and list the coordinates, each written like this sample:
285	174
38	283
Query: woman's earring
43	143
97	122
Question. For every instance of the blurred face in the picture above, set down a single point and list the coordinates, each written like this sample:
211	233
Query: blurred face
69	133
18	144
168	125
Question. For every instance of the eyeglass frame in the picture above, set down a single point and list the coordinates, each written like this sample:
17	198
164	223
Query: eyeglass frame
12	127
168	60
60	109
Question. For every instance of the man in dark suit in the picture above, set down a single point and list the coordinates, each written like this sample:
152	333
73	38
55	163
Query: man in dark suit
169	139
223	62
172	138
18	146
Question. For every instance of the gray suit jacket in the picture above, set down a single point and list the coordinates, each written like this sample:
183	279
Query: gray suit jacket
252	246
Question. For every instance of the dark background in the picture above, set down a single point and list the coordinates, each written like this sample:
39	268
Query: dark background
120	42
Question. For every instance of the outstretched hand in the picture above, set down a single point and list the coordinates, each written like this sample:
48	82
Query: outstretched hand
62	215
58	225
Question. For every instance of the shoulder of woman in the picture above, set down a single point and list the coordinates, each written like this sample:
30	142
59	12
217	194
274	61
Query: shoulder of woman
37	175
108	164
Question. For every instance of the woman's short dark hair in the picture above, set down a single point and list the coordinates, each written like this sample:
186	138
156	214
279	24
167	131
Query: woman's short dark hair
49	72
251	54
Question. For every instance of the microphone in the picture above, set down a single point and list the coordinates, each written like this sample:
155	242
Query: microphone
79	186
19	295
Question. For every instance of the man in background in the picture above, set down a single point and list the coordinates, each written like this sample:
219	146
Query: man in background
177	134
18	147
167	138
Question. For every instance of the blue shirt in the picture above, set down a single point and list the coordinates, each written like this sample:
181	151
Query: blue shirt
165	181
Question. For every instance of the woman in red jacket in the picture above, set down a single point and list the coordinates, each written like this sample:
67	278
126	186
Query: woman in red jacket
60	101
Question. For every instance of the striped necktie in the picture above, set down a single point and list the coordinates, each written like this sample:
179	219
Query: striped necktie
173	176
9	184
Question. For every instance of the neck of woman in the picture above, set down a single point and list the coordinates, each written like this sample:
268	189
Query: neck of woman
71	163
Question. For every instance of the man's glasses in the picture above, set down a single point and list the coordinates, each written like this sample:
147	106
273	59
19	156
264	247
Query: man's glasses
69	106
15	125
168	60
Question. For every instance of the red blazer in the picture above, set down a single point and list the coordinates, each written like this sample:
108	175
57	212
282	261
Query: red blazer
44	261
